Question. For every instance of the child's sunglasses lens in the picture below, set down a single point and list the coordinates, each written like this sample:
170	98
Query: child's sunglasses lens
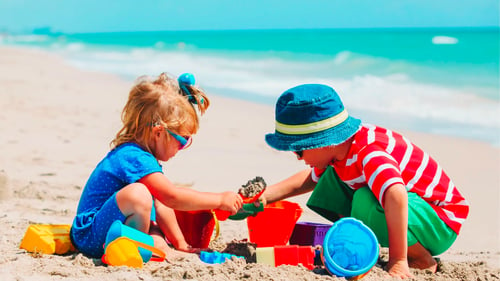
184	141
188	142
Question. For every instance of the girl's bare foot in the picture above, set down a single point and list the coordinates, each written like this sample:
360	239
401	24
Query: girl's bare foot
171	254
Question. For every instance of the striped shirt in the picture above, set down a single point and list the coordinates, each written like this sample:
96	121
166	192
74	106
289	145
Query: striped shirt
379	158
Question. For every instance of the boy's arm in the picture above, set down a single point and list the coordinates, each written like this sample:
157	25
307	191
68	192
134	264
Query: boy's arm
396	213
297	184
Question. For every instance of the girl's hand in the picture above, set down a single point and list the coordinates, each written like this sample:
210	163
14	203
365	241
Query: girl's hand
231	202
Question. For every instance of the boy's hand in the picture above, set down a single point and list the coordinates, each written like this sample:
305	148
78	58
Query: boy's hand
262	201
231	202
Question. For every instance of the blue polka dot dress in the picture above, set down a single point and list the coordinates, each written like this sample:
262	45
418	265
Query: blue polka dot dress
98	208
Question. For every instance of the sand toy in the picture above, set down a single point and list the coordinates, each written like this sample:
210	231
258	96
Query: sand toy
250	193
128	246
216	257
291	255
252	190
47	239
309	233
197	227
274	225
350	249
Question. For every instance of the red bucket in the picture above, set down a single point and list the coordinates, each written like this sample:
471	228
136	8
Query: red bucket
273	226
197	227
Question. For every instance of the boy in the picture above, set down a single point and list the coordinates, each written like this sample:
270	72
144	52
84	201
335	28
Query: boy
367	172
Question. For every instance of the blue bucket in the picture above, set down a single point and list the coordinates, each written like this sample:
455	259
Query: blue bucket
350	248
118	229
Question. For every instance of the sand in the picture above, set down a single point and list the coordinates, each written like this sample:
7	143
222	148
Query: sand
57	122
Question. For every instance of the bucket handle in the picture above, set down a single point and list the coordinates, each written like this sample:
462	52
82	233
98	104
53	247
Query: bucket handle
217	226
158	255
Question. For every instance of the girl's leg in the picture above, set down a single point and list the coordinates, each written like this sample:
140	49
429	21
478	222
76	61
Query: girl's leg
166	224
131	205
89	231
136	203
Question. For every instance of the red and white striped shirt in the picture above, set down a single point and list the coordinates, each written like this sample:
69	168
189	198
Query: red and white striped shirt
379	158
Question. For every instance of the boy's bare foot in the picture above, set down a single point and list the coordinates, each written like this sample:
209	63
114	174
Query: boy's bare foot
432	266
420	258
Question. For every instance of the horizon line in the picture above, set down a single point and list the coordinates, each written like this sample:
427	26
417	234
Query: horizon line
49	30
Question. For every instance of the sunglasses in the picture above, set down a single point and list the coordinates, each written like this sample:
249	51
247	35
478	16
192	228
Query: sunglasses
299	153
184	142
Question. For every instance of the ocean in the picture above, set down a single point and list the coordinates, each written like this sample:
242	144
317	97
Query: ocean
442	81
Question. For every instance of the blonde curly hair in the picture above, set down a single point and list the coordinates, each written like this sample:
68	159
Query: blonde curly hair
159	101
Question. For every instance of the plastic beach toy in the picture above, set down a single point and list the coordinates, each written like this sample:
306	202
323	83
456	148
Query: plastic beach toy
118	229
309	233
249	193
216	257
47	239
128	246
274	225
350	249
125	251
253	198
197	227
291	254
248	209
122	251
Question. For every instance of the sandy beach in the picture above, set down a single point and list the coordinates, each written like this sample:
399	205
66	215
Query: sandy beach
56	123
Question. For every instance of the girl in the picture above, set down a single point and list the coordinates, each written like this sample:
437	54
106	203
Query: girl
159	119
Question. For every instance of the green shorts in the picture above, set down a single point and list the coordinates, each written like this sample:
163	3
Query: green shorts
331	197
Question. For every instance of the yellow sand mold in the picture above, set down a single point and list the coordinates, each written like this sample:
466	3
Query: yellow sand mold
47	239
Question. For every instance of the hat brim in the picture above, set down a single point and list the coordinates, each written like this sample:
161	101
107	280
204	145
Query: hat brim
332	136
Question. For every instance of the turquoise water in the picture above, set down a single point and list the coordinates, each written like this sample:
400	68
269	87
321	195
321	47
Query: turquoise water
443	81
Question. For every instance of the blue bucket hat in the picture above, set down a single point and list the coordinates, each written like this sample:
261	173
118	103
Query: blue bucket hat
311	116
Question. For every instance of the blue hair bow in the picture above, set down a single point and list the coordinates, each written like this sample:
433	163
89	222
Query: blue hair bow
187	79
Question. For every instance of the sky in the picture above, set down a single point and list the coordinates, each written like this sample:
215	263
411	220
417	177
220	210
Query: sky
77	16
